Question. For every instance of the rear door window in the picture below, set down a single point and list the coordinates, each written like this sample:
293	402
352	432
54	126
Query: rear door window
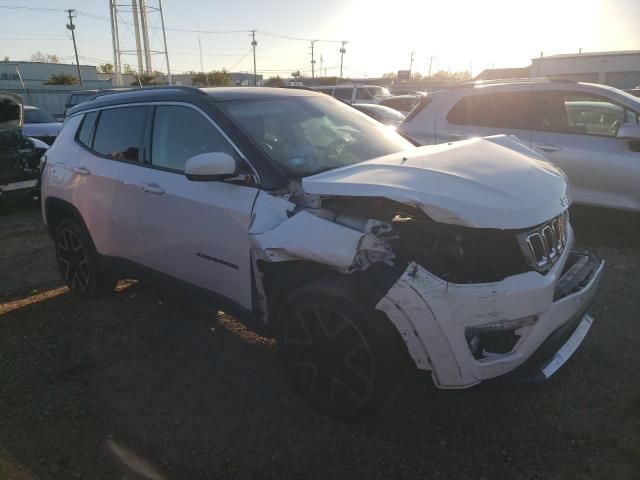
363	94
497	110
343	93
120	133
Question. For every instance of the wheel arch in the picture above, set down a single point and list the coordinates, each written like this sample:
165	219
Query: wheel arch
56	210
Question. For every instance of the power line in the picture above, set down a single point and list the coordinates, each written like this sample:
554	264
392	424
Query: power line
300	39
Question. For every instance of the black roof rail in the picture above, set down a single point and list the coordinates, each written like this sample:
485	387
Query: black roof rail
133	88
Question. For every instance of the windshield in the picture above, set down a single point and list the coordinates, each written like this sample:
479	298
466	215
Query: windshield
307	135
36	115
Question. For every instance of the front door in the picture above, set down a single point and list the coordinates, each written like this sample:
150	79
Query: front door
194	231
577	132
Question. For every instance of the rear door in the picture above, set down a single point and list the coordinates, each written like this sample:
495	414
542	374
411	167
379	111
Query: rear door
483	114
195	231
363	95
104	173
577	131
344	93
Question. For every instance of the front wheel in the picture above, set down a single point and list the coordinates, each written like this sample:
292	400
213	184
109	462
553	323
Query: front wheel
343	357
78	261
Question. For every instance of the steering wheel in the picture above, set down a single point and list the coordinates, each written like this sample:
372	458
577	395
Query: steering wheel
336	147
267	146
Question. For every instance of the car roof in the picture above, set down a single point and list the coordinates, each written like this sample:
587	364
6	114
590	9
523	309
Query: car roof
183	93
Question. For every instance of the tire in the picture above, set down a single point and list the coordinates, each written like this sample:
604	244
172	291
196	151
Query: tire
78	261
344	357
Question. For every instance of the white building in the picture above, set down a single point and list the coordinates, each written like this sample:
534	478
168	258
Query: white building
619	69
35	74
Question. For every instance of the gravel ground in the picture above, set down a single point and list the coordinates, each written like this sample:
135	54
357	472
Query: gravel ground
110	388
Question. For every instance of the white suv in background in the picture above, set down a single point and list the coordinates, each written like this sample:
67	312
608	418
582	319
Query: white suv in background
365	255
590	131
357	93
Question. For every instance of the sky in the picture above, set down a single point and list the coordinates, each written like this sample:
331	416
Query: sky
451	35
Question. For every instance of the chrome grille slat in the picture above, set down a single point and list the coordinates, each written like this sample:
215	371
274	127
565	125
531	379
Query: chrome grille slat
544	245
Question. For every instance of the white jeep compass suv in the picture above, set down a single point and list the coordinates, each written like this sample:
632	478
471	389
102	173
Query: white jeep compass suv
364	255
591	132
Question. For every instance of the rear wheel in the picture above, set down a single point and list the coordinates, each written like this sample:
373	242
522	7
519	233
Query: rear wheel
77	260
344	358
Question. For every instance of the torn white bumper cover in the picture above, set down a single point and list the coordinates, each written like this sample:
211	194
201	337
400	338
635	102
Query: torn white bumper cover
522	328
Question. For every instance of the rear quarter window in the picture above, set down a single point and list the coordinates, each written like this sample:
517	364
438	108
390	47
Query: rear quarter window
87	129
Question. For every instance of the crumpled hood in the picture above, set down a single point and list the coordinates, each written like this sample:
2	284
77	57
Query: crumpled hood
492	182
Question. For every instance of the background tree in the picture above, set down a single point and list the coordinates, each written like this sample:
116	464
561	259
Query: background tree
128	70
446	76
274	82
45	58
61	79
105	68
393	75
416	76
5	59
213	78
147	79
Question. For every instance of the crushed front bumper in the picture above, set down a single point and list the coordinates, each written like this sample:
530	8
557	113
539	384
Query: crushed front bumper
545	314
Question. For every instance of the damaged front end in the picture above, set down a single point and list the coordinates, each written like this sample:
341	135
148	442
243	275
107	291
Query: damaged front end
473	297
19	155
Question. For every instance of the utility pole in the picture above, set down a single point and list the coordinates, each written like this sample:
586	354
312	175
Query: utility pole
253	45
136	30
313	61
164	38
117	70
411	64
342	52
430	63
145	36
72	27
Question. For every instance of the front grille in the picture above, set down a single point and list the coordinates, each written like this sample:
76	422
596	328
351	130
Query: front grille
543	246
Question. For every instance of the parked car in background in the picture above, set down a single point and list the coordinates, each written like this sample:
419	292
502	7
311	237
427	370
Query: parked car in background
19	155
77	97
397	92
80	96
401	103
364	255
383	114
590	131
356	93
40	124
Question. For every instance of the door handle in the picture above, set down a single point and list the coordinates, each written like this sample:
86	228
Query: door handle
548	148
153	188
81	170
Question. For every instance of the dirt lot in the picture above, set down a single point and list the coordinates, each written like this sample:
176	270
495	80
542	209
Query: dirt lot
102	389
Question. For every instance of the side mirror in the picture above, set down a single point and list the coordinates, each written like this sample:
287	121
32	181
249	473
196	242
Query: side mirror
629	131
210	166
